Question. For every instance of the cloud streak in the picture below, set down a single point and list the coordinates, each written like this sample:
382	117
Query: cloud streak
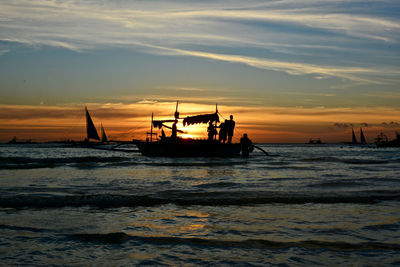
202	29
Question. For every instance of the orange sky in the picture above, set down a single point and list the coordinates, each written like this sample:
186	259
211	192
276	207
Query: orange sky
262	124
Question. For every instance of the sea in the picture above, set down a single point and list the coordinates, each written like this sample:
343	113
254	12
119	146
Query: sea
300	205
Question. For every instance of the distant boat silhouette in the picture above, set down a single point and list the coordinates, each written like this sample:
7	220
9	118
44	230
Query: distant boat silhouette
382	141
354	141
315	142
15	141
104	143
103	135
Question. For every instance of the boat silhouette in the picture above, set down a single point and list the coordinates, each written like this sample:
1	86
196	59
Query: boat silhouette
382	141
175	146
354	141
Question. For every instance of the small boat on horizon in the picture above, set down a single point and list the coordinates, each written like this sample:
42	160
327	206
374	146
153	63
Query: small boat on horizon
382	141
316	141
15	141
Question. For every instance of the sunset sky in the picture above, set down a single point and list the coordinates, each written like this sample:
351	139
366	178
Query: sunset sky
287	70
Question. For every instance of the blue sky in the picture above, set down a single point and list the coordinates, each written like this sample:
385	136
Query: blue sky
283	53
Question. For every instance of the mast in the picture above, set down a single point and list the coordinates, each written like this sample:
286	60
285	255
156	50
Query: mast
90	129
353	137
362	137
176	111
151	129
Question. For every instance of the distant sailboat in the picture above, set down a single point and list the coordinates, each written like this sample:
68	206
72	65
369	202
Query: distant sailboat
103	135
90	129
353	137
362	137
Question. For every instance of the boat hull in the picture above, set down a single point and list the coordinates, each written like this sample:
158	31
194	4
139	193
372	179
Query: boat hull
195	148
392	143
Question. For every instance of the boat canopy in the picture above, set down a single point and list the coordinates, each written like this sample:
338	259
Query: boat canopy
160	124
205	118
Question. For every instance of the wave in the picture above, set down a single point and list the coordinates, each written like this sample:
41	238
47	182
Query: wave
32	163
348	161
92	162
121	237
388	226
342	183
183	198
20	228
217	185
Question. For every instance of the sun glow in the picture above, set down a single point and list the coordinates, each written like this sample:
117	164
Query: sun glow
187	136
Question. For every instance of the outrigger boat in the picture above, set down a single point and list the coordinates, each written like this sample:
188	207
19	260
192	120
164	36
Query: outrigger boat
382	141
93	140
175	146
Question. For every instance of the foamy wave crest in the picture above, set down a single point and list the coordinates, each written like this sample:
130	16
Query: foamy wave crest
184	198
121	237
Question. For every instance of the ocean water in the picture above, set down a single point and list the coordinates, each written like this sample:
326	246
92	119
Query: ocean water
304	205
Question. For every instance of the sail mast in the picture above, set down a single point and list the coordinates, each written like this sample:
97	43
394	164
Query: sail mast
151	129
176	111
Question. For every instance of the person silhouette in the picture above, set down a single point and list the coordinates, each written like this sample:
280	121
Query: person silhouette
211	131
174	129
222	132
230	126
247	145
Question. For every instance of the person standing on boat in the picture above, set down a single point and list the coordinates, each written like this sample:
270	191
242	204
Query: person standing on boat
211	131
230	125
222	132
174	129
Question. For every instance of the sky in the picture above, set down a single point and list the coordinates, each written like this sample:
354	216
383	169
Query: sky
288	70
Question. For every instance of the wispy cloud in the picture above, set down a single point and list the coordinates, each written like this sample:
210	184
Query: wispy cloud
391	124
3	51
294	68
180	88
281	29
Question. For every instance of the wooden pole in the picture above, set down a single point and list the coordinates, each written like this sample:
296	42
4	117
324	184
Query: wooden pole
151	129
